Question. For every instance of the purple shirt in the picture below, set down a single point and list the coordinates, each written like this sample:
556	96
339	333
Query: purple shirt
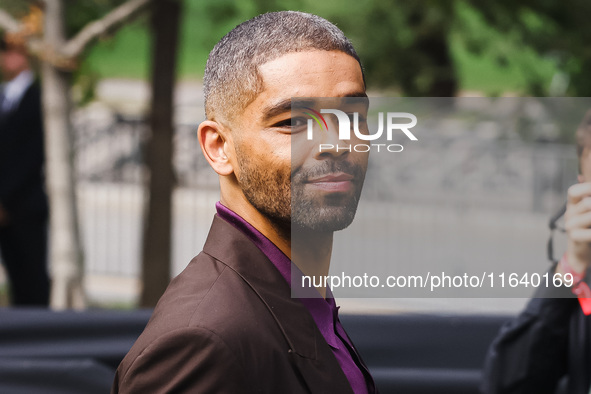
323	311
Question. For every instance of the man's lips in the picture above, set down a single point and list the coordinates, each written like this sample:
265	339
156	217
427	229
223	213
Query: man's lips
337	182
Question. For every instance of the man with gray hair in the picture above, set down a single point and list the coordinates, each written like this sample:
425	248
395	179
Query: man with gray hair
228	323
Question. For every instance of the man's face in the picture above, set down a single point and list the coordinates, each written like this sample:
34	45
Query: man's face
309	189
12	62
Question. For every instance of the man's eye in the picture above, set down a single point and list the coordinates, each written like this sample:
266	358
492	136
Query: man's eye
299	121
292	122
360	117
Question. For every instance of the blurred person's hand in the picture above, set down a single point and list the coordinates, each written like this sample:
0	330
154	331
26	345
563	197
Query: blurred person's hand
3	216
578	227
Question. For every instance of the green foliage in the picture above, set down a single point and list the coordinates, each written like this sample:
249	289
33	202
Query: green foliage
79	13
86	79
16	8
558	30
492	59
125	55
402	44
415	48
427	47
204	23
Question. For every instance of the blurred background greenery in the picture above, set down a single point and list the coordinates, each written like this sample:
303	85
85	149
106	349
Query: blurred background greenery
411	48
418	48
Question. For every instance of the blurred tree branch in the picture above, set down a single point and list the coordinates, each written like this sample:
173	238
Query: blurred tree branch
112	20
8	23
66	56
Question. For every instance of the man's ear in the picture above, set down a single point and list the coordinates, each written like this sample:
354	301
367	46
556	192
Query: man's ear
212	138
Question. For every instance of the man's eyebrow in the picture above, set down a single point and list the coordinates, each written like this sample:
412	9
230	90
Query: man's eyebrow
284	106
277	109
287	104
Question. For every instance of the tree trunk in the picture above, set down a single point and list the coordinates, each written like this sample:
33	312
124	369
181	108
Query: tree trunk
156	248
65	248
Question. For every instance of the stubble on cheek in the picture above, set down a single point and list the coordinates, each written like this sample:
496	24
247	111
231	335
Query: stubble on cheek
267	188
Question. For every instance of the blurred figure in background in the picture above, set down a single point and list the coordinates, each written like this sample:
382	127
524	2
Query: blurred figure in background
551	338
23	202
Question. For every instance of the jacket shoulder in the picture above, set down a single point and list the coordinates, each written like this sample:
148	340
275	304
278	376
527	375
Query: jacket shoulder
209	319
182	360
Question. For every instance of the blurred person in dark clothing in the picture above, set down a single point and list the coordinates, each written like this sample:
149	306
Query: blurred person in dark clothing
23	202
551	338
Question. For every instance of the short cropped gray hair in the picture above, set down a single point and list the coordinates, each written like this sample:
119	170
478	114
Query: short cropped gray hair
232	81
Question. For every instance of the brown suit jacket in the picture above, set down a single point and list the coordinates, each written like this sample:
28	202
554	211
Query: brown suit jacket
227	324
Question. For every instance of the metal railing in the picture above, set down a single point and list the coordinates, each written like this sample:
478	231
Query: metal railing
442	180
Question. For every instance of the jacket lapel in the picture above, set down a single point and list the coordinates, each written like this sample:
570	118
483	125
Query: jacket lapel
309	351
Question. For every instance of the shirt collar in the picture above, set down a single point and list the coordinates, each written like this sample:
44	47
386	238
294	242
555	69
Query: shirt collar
14	89
323	311
273	253
325	314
